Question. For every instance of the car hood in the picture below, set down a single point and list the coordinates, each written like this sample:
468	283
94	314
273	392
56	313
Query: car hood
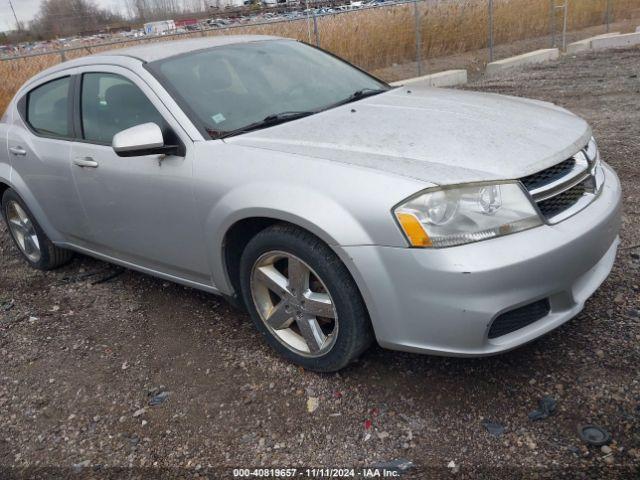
439	136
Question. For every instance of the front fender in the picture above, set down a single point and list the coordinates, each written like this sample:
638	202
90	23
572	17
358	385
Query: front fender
312	210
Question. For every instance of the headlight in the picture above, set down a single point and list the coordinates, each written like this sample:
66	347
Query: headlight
445	217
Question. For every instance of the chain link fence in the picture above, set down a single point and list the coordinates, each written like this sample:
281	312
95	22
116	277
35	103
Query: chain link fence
401	40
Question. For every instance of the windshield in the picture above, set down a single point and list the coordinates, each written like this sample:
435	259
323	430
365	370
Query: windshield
231	87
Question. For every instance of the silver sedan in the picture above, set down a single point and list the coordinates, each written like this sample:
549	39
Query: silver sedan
336	209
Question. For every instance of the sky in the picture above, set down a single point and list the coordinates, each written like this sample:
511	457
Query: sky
26	9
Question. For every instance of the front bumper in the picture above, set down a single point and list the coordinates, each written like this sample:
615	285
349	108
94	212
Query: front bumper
443	301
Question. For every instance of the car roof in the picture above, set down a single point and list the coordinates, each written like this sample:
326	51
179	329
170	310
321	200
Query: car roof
151	51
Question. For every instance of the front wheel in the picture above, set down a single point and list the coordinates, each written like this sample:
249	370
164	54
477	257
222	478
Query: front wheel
302	298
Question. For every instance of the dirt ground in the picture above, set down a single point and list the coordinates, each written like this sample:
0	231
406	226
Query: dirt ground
82	354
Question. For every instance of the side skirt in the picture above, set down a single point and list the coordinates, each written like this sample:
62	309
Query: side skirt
148	271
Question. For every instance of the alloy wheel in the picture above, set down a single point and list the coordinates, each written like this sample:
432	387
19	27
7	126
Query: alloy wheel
23	231
294	303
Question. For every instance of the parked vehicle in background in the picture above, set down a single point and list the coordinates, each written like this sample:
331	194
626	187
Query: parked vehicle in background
159	28
334	208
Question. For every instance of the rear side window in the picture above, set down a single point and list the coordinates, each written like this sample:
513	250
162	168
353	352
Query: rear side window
111	103
48	108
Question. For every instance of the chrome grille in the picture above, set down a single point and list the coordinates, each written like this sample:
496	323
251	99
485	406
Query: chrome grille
556	205
564	189
549	175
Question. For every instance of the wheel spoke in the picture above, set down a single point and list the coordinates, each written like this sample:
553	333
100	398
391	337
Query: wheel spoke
298	277
279	318
273	280
29	247
17	225
21	213
319	305
36	242
311	332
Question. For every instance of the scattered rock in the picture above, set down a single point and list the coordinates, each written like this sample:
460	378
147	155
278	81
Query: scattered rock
400	465
494	428
453	467
546	407
140	411
594	435
158	398
312	404
77	467
605	449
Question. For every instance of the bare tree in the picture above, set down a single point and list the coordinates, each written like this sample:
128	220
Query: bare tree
146	10
60	18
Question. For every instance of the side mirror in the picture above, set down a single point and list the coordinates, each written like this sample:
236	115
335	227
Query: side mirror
144	139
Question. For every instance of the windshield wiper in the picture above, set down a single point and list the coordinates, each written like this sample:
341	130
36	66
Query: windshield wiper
360	94
268	121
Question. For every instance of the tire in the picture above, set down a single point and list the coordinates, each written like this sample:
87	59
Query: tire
322	326
47	256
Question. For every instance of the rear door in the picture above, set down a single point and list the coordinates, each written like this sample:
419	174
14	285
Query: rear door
39	146
140	209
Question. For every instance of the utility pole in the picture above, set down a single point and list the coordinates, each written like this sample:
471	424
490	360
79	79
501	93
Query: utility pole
15	16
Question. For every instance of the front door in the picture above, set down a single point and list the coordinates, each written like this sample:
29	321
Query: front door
140	209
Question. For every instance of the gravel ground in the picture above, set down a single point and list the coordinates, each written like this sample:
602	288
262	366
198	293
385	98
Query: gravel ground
82	357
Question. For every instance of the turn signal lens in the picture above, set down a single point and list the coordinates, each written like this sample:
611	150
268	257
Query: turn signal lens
414	231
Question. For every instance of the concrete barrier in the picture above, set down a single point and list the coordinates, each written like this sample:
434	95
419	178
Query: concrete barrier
637	29
447	78
537	56
584	45
619	41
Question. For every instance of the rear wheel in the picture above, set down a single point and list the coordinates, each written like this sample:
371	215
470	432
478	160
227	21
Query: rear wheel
35	246
303	300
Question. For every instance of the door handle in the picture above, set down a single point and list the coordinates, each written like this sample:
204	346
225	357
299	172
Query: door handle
18	151
87	162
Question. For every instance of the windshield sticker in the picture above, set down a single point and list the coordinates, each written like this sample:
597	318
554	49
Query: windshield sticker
218	118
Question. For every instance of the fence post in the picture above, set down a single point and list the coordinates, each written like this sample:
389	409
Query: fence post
63	57
418	37
552	22
564	26
608	15
490	31
308	20
315	29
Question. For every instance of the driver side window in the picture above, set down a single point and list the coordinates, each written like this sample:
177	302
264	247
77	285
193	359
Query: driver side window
111	103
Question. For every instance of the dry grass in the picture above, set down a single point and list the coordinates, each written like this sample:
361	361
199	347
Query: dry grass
382	37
